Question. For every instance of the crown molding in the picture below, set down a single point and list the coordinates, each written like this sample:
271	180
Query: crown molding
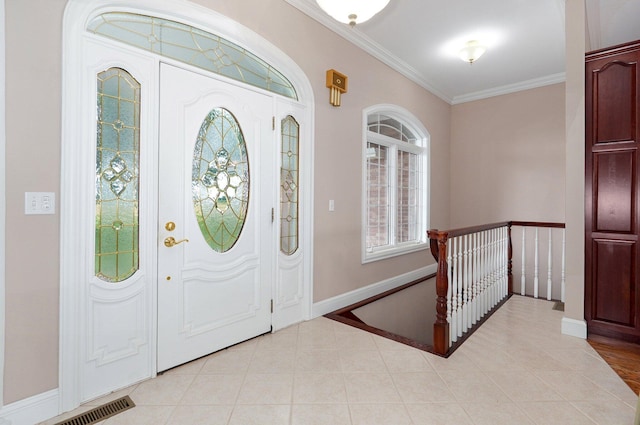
353	35
511	88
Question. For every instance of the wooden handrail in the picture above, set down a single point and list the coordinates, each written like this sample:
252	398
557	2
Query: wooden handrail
538	224
438	234
446	234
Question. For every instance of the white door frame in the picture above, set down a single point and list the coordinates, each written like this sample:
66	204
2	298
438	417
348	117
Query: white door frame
73	152
3	201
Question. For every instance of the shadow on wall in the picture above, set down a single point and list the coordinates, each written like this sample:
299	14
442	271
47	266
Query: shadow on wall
405	314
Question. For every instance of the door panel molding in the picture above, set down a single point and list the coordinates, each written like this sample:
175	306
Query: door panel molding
3	202
614	190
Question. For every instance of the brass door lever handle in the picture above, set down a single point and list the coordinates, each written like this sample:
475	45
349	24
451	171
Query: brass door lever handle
171	241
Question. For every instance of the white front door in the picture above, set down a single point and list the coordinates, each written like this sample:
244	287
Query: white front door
216	193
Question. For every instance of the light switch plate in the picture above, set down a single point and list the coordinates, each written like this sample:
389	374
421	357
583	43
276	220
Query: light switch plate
39	203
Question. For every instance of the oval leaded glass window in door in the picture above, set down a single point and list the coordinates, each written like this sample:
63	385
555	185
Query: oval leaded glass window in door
220	179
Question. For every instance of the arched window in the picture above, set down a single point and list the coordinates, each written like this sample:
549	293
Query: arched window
395	180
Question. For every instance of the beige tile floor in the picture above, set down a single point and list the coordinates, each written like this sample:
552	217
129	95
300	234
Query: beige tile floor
516	369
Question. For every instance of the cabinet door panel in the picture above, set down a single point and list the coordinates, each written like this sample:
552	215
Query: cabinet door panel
615	272
615	102
614	191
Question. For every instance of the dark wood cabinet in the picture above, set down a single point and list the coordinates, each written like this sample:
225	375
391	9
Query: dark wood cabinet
612	286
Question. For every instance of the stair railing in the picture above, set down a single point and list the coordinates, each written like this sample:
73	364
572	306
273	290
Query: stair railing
474	276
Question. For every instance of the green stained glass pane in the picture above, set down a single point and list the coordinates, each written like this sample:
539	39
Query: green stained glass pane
109	110
289	186
117	164
192	46
220	180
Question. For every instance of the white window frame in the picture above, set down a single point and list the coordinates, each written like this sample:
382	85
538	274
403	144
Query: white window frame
422	148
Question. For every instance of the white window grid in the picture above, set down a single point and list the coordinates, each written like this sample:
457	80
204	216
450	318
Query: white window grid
395	216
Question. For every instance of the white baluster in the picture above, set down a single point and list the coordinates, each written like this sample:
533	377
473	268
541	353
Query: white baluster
449	306
481	261
504	279
494	262
468	282
496	296
507	242
492	268
563	276
453	324
487	288
487	271
478	288
474	287
500	265
535	267
487	282
501	275
549	266
460	285
523	279
463	286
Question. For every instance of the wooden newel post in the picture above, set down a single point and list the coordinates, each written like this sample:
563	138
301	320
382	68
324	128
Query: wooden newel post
510	261
438	244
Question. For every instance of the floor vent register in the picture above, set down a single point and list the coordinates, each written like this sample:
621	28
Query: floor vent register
100	413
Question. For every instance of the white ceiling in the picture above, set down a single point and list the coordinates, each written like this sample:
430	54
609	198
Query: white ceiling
524	39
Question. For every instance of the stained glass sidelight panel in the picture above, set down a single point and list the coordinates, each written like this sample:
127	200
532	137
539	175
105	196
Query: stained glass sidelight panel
117	165
193	46
289	186
220	179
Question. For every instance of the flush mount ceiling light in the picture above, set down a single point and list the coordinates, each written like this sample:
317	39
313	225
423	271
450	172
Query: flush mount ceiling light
471	51
352	11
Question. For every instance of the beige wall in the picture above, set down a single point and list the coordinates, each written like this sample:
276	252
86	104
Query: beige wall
33	57
508	158
33	164
575	157
404	313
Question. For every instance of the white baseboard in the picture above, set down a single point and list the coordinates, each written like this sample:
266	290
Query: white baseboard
573	327
332	304
31	410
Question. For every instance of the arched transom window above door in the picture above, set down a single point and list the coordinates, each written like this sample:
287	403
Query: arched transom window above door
192	46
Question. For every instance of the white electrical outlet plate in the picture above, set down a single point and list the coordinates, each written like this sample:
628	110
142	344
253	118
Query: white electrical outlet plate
39	203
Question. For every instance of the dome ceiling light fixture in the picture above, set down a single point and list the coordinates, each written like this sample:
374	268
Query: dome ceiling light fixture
471	51
352	12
